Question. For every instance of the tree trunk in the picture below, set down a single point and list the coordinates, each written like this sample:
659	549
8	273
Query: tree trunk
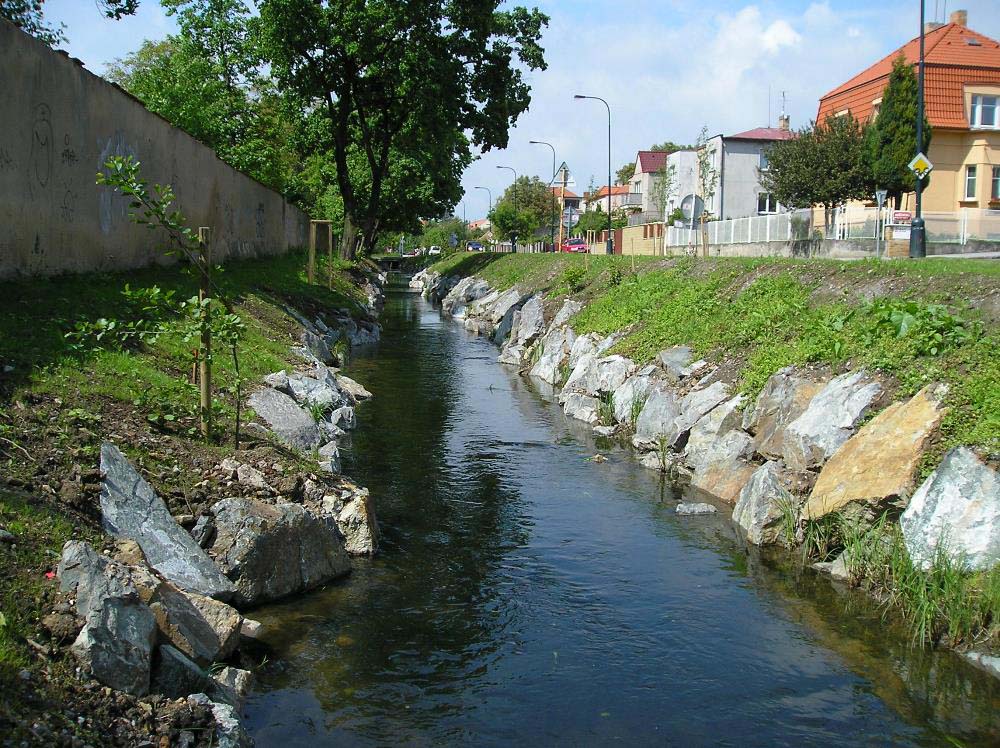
348	239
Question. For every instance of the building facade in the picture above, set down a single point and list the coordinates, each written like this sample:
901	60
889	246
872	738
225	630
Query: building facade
738	161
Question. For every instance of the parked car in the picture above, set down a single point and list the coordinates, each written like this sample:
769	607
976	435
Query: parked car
474	246
574	245
434	250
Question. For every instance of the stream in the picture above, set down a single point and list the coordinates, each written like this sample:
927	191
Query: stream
525	594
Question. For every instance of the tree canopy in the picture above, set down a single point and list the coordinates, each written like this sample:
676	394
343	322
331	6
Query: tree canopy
624	174
27	15
535	203
406	91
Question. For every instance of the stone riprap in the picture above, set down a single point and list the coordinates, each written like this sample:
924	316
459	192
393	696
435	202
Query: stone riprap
955	512
130	509
783	399
291	423
765	503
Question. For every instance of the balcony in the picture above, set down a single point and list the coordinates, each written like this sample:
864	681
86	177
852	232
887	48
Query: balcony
633	198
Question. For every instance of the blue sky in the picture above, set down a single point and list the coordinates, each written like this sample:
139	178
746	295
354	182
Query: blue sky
666	67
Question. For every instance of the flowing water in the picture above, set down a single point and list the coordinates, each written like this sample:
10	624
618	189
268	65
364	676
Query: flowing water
528	595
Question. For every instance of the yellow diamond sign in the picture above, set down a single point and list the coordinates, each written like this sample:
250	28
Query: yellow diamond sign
921	165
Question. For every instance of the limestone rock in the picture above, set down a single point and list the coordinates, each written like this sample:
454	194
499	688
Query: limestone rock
783	399
511	354
344	418
695	508
357	391
566	312
290	423
231	686
555	350
354	512
675	361
229	732
321	390
611	372
710	428
583	377
252	477
723	471
329	457
204	629
983	661
584	345
116	644
837	568
131	509
273	550
696	404
531	321
955	511
878	465
317	346
829	420
175	675
629	398
466	290
657	420
763	504
581	407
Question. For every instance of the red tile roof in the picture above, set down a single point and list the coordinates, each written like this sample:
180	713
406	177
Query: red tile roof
763	133
557	191
603	192
950	63
651	161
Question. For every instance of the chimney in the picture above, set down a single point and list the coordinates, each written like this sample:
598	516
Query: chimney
931	25
784	122
959	17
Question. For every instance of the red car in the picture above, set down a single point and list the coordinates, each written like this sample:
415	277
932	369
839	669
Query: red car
574	245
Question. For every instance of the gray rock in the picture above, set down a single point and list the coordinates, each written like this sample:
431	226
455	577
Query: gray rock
566	312
279	381
6	536
555	350
204	530
329	457
116	643
584	345
985	662
354	512
317	346
837	568
252	477
605	431
251	630
583	377
204	629
629	398
581	407
307	390
466	290
357	391
675	361
695	508
783	399
273	550
231	686
611	373
829	420
344	418
291	424
657	421
709	429
131	510
723	470
531	321
229	732
175	675
956	511
763	504
512	354
696	404
503	311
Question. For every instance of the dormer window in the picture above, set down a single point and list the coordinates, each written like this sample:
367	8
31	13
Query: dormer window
984	111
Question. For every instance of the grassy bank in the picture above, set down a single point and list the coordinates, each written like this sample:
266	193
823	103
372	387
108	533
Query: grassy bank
936	320
59	400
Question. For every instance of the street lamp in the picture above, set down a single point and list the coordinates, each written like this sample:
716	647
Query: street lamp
611	242
514	236
552	238
488	192
918	235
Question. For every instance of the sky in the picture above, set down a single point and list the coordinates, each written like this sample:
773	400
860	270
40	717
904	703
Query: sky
665	67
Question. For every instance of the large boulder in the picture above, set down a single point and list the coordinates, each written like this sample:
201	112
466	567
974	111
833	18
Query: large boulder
723	471
555	349
675	362
583	377
357	392
629	398
531	322
204	629
611	372
783	399
655	426
320	390
292	424
567	311
829	420
878	465
116	642
354	512
131	510
765	503
582	407
956	511
696	404
466	290
273	550
709	429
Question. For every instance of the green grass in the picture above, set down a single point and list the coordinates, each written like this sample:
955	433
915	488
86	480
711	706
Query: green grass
765	313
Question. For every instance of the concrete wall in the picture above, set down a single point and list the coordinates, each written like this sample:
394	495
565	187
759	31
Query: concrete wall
834	249
59	123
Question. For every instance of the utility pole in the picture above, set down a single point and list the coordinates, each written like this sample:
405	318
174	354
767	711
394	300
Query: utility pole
918	236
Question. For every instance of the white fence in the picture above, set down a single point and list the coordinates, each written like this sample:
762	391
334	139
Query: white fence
847	222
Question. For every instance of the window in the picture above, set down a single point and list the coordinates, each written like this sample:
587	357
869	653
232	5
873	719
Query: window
984	111
763	159
995	191
970	182
766	204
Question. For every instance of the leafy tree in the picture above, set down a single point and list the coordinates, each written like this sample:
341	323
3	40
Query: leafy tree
624	174
597	220
439	232
892	138
534	198
509	222
118	8
662	186
669	146
27	15
824	165
407	91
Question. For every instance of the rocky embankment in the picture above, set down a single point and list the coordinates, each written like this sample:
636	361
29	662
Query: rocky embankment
159	609
810	446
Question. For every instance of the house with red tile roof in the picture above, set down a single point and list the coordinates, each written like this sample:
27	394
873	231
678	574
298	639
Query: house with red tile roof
649	165
738	161
599	200
962	102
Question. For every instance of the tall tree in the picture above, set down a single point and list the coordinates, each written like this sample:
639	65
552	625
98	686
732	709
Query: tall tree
624	174
419	83
27	15
892	138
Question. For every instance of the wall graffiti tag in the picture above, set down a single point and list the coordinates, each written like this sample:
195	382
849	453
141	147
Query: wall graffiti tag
68	154
41	147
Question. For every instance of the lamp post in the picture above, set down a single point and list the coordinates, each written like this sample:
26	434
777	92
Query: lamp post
552	237
918	235
514	236
610	247
490	193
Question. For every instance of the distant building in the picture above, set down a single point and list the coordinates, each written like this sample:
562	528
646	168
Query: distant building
570	198
738	161
962	103
649	166
599	200
685	178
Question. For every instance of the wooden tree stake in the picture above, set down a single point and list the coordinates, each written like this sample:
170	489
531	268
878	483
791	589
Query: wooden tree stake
204	363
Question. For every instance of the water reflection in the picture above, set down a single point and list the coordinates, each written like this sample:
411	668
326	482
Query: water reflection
527	594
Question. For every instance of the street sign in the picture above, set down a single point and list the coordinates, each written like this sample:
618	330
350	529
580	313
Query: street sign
921	165
563	176
453	240
880	196
692	206
902	216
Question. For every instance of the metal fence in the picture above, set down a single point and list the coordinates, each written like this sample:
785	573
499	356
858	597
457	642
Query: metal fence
777	227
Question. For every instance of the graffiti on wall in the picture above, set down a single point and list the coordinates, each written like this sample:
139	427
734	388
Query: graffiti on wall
42	147
113	205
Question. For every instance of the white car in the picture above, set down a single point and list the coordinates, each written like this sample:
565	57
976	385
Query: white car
434	250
